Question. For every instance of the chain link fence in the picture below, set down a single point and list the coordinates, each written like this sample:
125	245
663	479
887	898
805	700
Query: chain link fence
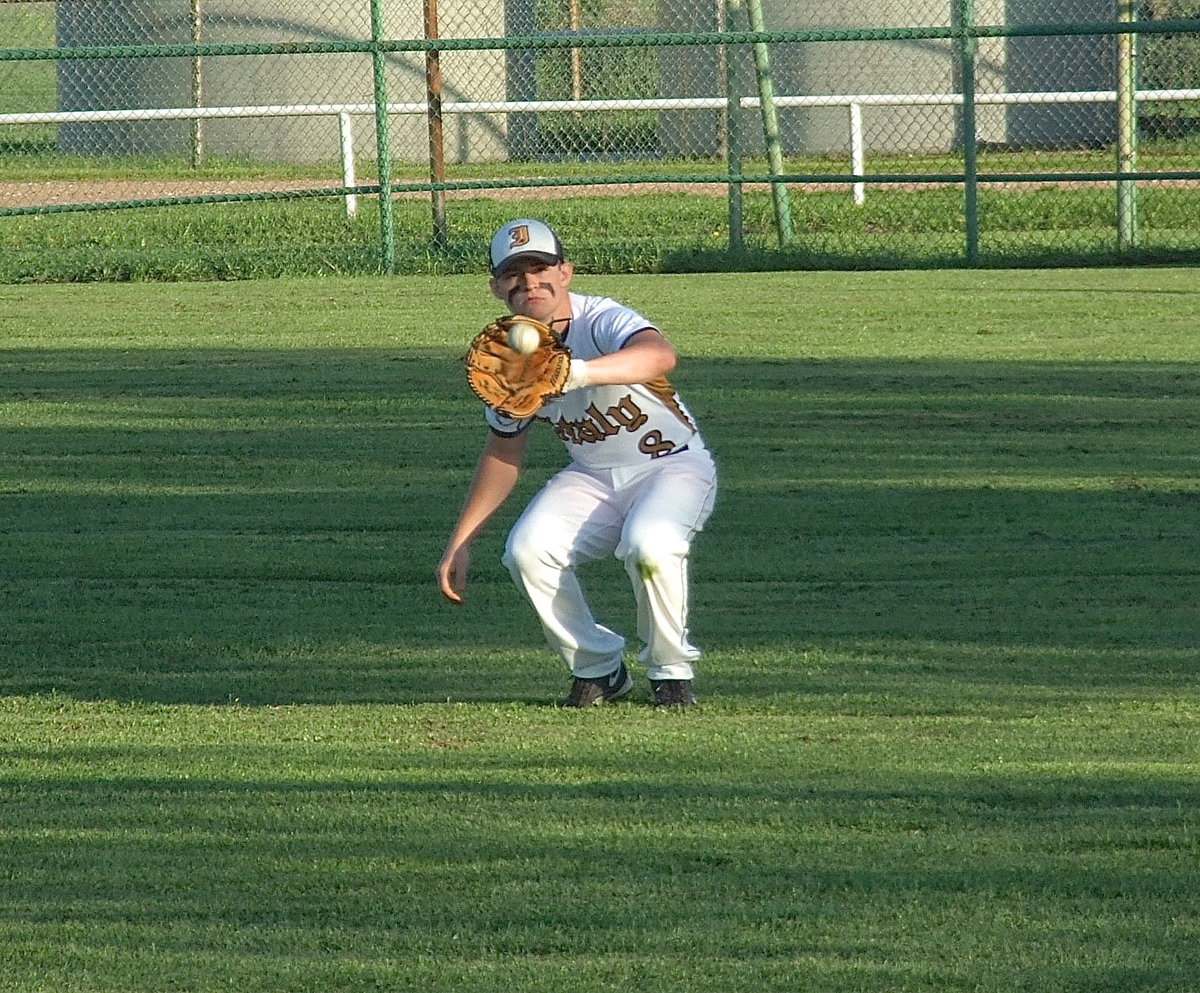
261	136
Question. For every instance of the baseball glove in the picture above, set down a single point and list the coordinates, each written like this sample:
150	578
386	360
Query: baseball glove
513	383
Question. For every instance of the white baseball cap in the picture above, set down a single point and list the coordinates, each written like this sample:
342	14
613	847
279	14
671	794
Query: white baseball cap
522	238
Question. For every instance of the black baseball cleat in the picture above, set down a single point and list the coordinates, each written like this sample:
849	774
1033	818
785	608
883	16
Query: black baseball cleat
593	692
673	692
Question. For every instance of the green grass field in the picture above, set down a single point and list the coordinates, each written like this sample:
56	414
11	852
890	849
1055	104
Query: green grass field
950	718
51	230
662	233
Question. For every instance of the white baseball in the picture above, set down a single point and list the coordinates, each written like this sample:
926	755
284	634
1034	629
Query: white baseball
523	337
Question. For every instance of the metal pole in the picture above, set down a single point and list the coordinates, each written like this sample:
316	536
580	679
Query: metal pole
733	148
383	153
346	142
967	48
722	24
197	84
1127	129
770	120
576	19
857	152
437	147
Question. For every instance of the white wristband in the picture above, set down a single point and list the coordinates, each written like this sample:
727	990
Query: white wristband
577	376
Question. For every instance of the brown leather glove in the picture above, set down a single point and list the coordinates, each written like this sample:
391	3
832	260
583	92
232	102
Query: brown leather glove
510	382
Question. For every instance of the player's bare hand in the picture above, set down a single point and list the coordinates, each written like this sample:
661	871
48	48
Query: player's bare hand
452	574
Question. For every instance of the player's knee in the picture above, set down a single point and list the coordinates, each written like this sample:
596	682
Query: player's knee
648	550
519	553
526	552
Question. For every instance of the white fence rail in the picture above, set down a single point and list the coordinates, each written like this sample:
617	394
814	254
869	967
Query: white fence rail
344	112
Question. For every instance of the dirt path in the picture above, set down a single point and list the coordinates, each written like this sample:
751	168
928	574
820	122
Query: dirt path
41	194
58	192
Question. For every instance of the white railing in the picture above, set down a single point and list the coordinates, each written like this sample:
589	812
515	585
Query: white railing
344	112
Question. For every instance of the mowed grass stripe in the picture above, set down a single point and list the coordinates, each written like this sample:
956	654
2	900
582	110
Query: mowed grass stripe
949	713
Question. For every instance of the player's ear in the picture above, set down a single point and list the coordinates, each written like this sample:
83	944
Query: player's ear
568	272
494	286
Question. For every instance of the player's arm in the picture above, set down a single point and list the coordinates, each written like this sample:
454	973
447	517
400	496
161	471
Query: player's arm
646	356
496	474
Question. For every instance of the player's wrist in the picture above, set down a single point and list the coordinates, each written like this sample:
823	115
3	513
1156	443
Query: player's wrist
579	376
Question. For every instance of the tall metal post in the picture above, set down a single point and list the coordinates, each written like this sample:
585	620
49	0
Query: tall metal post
733	143
197	19
1127	129
575	15
970	139
770	120
383	145
437	147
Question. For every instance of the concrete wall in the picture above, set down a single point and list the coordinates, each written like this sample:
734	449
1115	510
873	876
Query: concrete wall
1027	64
1016	65
257	80
1086	62
824	68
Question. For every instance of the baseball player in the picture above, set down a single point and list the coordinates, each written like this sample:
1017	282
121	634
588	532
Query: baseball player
640	483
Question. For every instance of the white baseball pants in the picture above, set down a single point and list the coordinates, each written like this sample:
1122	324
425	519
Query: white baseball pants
646	516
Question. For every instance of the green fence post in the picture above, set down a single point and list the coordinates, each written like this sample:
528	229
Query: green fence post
770	116
1127	129
733	132
383	149
970	138
770	119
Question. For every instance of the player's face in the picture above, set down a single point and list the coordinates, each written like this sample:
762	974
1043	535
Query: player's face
535	289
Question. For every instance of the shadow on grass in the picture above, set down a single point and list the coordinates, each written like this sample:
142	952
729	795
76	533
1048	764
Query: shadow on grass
201	526
239	875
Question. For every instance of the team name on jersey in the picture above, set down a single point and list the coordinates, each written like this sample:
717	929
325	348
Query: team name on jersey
625	415
598	425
